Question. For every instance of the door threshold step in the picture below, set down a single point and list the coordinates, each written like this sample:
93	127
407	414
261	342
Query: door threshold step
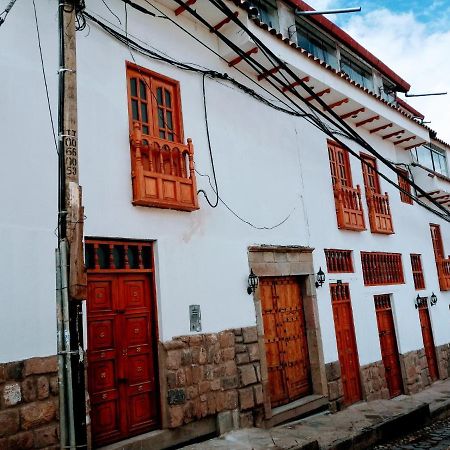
304	406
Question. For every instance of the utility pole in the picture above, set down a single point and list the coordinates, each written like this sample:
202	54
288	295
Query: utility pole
71	277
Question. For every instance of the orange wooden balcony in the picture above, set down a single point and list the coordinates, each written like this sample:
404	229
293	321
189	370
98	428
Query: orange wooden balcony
349	211
162	172
443	270
380	218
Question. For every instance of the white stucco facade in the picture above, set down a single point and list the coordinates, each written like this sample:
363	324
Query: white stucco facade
270	166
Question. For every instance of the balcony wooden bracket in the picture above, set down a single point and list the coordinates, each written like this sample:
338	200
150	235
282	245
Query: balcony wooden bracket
297	83
382	127
238	59
353	114
405	140
415	145
318	94
181	9
390	135
338	103
268	72
370	119
223	22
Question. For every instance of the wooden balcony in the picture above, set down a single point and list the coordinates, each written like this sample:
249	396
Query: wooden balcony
349	211
443	270
380	218
162	172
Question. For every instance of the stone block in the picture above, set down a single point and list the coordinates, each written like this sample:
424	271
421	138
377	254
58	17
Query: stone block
230	368
173	360
237	331
247	375
14	371
230	382
176	416
2	373
197	374
181	377
211	401
12	394
242	358
215	384
191	392
171	379
333	390
253	352
196	340
208	372
202	356
175	344
258	372
228	353
246	420
268	257
219	371
211	339
9	422
43	388
188	375
231	399
333	371
226	339
280	257
224	422
186	357
293	256
250	335
39	366
204	386
54	385
241	348
188	412
258	394
34	415
45	437
246	398
21	441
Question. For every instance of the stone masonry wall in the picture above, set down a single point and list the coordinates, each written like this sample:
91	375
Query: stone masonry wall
207	374
417	376
335	388
29	404
443	357
373	379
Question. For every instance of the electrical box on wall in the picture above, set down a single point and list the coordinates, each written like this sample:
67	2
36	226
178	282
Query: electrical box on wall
195	318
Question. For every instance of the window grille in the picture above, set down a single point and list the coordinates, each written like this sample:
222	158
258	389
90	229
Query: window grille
405	186
417	270
339	261
382	268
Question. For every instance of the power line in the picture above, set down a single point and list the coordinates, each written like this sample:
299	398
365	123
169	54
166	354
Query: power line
45	77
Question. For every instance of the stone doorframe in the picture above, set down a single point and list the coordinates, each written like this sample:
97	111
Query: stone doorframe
278	261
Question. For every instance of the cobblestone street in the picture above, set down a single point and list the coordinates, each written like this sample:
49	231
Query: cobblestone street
435	436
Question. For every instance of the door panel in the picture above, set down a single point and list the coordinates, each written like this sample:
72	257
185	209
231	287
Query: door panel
388	344
346	342
428	342
285	339
121	355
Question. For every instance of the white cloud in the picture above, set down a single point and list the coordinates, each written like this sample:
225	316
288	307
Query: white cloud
421	57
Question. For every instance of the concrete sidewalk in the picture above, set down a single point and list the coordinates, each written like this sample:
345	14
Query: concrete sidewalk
359	426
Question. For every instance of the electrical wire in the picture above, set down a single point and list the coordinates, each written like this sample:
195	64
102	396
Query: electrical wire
6	11
112	12
52	124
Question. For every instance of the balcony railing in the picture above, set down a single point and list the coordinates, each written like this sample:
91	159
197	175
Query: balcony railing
162	172
349	211
380	218
443	270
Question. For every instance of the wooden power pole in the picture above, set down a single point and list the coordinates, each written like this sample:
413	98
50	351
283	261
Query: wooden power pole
71	272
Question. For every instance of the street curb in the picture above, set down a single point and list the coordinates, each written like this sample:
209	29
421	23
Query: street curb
390	429
442	411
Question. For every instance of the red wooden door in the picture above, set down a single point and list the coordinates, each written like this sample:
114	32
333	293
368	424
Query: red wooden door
388	344
121	356
346	342
428	341
285	339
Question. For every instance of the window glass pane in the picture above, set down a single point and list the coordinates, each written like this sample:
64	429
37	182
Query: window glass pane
135	110
143	90
424	157
133	86
170	137
144	112
145	130
169	120
168	99
159	96
161	118
162	134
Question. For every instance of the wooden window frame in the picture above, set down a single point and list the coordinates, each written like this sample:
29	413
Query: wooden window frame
163	174
405	185
382	268
339	261
417	271
442	263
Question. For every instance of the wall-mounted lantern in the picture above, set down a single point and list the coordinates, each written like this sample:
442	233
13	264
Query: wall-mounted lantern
320	278
433	299
252	283
420	301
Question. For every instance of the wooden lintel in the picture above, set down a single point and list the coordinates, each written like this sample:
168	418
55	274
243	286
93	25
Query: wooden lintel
338	103
353	113
387	136
370	119
297	83
181	9
404	140
223	22
318	94
415	145
383	127
269	72
238	59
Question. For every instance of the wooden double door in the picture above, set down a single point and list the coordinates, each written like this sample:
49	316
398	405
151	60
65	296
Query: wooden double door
346	342
388	344
285	339
121	356
428	341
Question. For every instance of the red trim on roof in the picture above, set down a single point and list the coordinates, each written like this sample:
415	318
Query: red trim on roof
346	39
409	108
